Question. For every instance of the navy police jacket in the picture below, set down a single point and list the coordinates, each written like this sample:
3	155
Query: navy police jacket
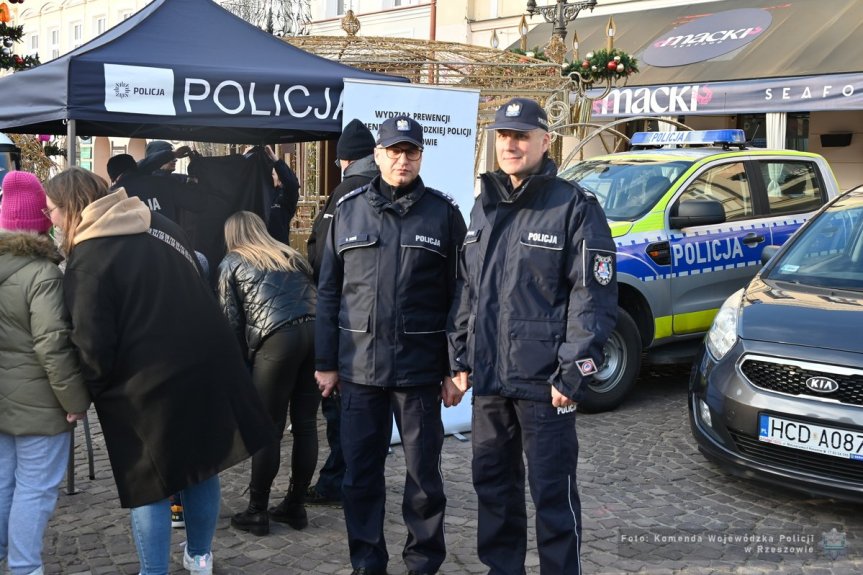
537	288
386	284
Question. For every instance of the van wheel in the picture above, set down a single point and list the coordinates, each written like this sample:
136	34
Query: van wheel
619	369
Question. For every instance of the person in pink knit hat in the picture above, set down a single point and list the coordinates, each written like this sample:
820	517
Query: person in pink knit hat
42	392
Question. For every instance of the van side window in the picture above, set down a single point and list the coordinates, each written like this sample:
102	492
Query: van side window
727	184
792	187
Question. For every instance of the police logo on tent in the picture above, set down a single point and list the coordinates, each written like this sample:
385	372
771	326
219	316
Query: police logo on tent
121	90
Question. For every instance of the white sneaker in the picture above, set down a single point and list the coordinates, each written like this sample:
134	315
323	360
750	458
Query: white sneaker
199	564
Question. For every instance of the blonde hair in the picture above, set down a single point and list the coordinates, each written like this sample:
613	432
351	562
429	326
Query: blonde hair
72	190
247	236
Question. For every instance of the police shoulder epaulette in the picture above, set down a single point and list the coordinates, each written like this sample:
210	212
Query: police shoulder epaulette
447	197
585	192
352	193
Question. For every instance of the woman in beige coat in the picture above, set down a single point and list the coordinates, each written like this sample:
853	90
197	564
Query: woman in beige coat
42	392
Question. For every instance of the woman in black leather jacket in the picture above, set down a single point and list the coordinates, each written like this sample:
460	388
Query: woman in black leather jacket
267	293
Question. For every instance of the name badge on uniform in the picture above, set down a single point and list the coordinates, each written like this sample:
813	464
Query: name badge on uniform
550	240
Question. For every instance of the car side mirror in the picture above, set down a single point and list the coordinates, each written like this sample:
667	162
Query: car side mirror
696	213
767	253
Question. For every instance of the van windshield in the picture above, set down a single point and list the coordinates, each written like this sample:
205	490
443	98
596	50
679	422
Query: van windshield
627	188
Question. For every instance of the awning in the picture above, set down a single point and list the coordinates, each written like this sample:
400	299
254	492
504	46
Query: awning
731	56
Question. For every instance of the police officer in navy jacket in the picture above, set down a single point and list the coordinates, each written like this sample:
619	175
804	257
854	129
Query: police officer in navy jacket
537	300
386	284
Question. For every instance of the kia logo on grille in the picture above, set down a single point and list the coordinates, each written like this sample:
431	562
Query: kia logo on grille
822	384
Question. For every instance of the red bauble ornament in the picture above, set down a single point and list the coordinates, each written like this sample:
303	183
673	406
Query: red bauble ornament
585	64
612	65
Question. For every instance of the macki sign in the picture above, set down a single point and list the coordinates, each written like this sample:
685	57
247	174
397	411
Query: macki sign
799	94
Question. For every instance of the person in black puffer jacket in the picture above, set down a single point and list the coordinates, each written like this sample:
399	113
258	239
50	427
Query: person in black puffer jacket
266	292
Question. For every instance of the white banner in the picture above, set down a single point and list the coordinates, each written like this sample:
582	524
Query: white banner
448	117
139	90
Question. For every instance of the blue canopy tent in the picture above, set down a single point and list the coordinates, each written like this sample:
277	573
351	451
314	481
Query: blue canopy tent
181	70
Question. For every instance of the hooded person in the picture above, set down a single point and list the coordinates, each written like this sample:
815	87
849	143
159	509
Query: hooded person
42	392
355	156
167	376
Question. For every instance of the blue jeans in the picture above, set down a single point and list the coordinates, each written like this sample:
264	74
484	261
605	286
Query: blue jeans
151	526
31	468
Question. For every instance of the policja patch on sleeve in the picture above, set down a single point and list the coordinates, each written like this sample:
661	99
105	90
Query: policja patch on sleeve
603	268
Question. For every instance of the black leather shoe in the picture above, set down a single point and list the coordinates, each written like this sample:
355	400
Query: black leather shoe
367	571
314	497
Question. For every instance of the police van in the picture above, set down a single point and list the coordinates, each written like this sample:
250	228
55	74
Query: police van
690	213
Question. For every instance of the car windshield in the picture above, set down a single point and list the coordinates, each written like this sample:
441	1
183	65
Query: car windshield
627	188
829	252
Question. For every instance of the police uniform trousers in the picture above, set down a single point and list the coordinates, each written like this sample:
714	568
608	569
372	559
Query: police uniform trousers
502	428
367	416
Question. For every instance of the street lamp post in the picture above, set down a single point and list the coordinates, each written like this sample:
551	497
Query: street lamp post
560	14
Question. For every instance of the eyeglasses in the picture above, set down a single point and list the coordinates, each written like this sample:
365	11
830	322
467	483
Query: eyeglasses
412	153
47	211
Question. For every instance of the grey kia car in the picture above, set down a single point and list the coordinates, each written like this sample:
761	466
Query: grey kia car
776	392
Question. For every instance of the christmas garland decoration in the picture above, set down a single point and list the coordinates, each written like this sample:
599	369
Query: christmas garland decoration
599	66
603	65
9	35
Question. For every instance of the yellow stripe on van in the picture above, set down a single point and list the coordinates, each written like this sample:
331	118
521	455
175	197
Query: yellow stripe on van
694	321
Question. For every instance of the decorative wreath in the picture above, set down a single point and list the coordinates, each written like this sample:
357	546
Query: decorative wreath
598	66
9	36
603	65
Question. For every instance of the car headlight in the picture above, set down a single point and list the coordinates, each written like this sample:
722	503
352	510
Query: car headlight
723	332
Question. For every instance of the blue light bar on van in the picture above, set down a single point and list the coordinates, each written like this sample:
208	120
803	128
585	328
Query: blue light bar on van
688	137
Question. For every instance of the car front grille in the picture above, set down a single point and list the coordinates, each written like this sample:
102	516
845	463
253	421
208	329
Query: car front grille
786	457
790	377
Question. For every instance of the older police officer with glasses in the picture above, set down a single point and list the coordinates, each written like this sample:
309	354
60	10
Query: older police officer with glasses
387	281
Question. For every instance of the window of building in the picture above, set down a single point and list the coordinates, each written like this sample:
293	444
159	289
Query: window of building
76	34
54	42
797	132
340	7
34	42
99	25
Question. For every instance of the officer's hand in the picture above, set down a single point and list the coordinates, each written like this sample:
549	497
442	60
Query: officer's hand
450	393
270	153
461	381
558	399
328	382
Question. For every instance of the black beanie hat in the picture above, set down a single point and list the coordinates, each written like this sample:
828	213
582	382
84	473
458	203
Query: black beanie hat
355	142
119	165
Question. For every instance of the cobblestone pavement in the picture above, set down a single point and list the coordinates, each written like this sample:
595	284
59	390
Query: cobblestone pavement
641	478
